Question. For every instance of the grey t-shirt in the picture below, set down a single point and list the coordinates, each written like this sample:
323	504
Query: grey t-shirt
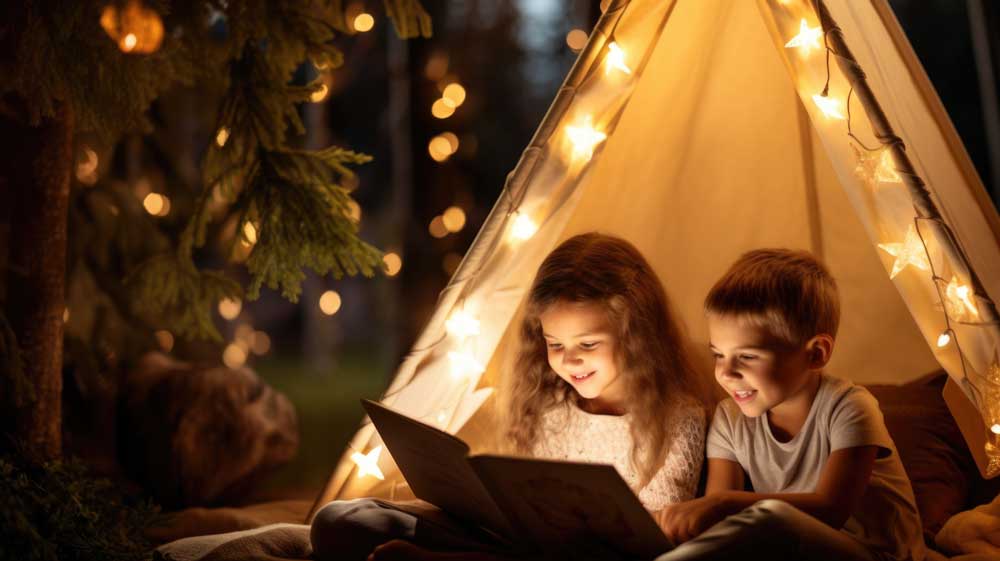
843	415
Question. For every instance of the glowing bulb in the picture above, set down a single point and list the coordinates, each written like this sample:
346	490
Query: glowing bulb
943	339
65	315
576	39
364	22
133	26
807	39
393	263
584	138
453	219
455	93
222	136
523	228
250	233
437	228
165	339
829	106
320	94
995	428
959	299
230	308
452	140
234	356
616	59
464	364
329	302
439	148
154	203
260	344
461	324
442	109
909	252
368	463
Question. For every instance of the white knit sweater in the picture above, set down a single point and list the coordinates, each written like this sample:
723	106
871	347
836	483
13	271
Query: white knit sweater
569	433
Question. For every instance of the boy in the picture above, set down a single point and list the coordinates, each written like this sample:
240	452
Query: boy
827	480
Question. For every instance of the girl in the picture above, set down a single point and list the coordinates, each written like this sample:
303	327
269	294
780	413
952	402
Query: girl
602	375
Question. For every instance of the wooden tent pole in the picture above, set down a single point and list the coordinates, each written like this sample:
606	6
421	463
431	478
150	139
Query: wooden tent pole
921	198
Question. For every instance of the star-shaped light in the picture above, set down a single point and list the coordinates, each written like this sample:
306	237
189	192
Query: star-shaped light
909	252
461	324
958	300
464	364
875	167
615	59
829	106
807	39
368	463
523	227
584	138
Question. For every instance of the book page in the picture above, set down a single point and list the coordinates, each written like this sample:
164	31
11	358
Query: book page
571	507
435	465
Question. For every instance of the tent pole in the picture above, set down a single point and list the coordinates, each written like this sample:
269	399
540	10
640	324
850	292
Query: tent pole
919	195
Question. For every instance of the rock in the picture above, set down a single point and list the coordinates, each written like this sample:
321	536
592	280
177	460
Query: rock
201	435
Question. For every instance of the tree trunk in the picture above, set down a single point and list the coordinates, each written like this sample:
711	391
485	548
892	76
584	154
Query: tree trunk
36	175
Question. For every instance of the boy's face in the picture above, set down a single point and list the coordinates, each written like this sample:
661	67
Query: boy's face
581	350
757	369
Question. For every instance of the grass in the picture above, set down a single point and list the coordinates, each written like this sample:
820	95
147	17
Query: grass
329	413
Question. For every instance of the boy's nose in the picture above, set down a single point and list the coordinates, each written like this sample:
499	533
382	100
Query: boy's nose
725	370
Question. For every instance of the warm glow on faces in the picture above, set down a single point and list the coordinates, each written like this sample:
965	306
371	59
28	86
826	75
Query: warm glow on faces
581	350
758	370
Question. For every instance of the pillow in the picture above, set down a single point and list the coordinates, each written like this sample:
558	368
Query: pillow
931	447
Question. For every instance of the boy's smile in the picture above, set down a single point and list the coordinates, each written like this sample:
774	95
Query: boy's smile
762	373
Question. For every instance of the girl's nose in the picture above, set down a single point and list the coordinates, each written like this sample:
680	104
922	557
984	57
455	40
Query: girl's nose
571	357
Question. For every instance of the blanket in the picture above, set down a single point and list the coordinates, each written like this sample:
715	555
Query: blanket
975	531
274	542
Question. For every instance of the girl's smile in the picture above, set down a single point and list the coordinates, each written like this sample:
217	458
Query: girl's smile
581	350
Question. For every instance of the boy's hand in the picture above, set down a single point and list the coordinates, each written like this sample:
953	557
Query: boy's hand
684	521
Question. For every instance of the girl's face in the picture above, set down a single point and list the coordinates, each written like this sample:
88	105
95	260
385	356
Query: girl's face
581	350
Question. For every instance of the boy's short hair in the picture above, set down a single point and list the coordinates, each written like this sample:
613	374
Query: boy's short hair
787	291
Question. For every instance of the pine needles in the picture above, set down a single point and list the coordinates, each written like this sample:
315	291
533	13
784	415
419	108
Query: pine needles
295	199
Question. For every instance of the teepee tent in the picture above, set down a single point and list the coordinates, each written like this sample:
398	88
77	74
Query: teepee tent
700	129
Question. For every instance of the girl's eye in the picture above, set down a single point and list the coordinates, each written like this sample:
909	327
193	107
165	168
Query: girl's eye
554	346
748	357
588	346
717	356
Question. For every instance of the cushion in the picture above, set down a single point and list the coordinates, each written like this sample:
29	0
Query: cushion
931	447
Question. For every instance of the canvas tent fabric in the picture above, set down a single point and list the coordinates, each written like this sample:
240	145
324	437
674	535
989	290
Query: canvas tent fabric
714	146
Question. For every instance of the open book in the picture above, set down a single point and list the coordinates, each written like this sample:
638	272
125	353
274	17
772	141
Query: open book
553	506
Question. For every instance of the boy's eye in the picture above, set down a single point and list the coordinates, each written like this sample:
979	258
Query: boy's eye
717	355
588	346
748	357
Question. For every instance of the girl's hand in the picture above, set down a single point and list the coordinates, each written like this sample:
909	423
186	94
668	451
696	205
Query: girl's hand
685	521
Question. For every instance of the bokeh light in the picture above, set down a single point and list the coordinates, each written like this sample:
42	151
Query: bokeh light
329	302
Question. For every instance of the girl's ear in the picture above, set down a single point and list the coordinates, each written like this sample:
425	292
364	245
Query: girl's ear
819	349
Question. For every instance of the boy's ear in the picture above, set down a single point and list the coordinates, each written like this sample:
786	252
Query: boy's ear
820	349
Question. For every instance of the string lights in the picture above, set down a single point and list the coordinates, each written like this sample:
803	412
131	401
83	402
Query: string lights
616	59
585	138
368	463
908	252
807	39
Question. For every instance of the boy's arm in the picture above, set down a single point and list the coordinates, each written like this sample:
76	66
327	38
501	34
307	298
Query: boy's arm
842	483
723	475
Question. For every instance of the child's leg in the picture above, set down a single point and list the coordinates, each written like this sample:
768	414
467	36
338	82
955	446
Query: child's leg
351	530
772	530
